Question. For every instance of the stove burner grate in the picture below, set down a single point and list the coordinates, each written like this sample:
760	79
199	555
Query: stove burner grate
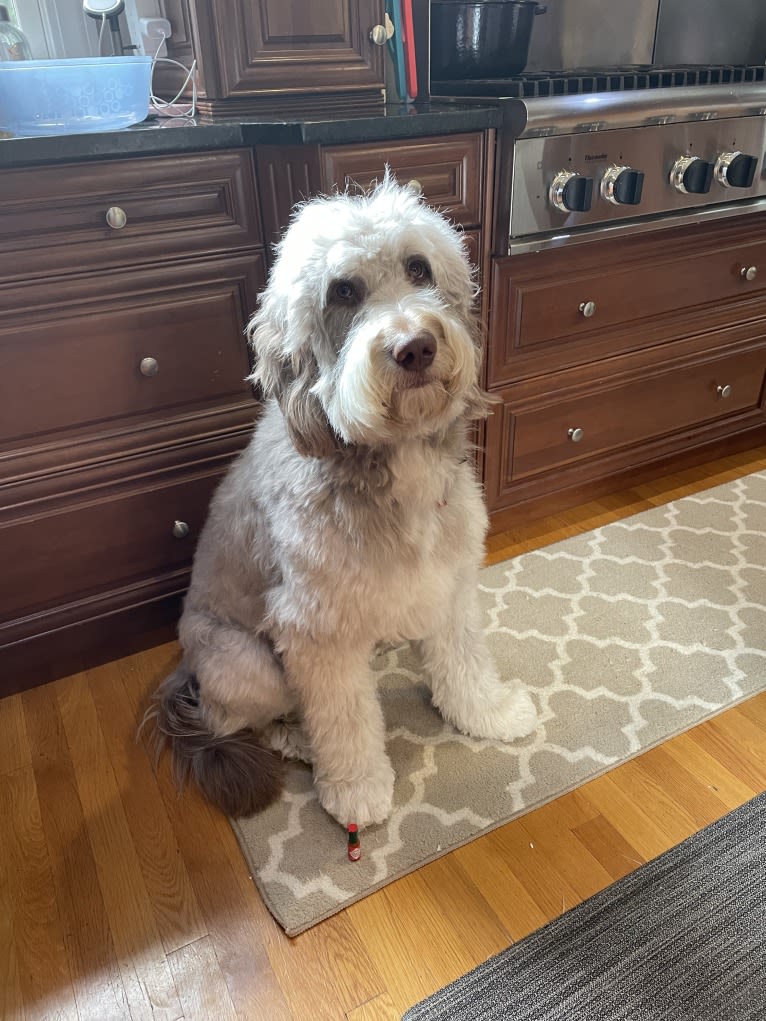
589	80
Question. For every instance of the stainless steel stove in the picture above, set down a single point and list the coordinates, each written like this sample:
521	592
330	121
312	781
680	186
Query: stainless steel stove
623	150
629	161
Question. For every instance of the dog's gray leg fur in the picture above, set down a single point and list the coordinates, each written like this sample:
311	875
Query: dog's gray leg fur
234	771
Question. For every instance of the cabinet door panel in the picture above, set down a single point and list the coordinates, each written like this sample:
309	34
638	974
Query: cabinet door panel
75	366
110	541
313	45
449	171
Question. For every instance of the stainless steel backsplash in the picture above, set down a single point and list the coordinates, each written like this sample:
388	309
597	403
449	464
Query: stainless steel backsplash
593	33
608	33
711	32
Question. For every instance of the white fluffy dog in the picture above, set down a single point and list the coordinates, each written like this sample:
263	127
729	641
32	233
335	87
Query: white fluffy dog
352	518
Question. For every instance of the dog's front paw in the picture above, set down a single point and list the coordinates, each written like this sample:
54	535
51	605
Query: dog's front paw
365	801
505	714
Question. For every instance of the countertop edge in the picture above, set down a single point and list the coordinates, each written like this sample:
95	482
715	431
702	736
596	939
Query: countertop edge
164	138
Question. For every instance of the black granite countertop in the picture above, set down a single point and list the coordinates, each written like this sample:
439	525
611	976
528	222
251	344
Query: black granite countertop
160	135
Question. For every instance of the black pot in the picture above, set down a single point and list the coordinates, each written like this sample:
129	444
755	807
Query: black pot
484	39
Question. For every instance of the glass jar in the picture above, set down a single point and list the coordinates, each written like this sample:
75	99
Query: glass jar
14	45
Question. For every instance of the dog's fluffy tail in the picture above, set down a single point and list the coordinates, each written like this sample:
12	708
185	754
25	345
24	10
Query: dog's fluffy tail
235	772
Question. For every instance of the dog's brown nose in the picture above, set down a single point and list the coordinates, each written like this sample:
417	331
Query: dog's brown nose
417	353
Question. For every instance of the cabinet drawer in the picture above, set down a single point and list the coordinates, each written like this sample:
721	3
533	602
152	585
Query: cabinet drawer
450	170
567	307
551	433
87	361
54	219
107	543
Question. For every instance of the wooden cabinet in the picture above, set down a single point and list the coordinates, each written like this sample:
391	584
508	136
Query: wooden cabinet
124	363
261	56
453	172
669	359
449	172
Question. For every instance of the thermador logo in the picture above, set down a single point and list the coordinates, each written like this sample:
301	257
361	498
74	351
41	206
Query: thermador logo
596	156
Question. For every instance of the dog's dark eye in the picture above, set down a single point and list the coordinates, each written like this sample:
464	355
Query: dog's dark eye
344	290
418	270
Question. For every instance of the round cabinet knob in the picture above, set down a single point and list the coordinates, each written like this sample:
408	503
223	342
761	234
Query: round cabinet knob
575	435
749	272
724	391
735	169
149	366
571	192
691	175
378	35
116	217
180	529
416	186
588	308
622	186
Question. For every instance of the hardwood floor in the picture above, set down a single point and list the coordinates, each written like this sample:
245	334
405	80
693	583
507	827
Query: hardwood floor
118	899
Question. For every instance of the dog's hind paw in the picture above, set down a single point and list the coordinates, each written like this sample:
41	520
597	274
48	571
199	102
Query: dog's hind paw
365	801
506	716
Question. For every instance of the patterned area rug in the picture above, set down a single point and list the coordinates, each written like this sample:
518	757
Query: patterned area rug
626	635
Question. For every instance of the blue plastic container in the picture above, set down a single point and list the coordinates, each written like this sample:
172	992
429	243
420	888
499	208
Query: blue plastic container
65	97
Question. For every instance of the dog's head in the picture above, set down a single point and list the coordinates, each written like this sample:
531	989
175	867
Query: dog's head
366	332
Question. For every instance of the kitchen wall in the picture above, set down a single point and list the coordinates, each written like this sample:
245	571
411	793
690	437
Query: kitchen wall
58	28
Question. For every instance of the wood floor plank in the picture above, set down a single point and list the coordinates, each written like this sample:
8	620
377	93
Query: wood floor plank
512	903
737	743
326	971
755	710
727	787
701	804
14	746
419	918
171	894
585	874
633	820
608	846
380	1009
98	987
550	890
144	969
235	916
674	820
11	1002
40	955
201	986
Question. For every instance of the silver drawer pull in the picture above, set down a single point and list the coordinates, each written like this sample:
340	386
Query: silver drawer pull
588	308
749	272
724	391
378	35
180	529
149	366
416	186
116	217
575	435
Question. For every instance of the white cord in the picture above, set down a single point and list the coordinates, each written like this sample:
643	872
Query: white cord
101	32
164	107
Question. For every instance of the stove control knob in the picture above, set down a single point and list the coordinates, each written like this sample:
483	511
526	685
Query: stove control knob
571	193
622	186
735	169
691	175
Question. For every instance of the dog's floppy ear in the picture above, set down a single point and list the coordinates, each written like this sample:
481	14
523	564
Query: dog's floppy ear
289	377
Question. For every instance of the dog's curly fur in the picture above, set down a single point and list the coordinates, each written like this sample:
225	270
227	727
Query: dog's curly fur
352	518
